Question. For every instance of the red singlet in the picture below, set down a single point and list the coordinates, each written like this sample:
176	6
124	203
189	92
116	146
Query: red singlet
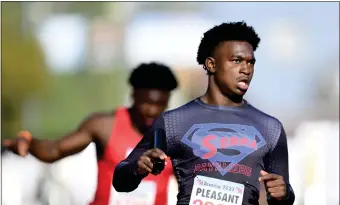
153	190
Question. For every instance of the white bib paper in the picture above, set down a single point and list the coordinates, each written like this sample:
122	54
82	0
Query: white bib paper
145	194
211	191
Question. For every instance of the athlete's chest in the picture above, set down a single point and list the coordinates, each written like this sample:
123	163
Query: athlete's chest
220	145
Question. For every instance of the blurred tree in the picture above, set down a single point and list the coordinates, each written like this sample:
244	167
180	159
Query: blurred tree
70	96
23	69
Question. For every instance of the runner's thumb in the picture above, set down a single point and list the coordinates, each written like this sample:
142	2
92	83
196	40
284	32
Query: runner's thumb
23	148
263	173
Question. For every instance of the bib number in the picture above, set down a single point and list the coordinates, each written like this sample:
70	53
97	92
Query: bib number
211	191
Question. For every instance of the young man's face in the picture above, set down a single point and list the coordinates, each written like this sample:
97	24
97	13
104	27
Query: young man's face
149	104
233	66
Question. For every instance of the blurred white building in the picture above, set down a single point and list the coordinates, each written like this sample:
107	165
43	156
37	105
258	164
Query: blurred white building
314	163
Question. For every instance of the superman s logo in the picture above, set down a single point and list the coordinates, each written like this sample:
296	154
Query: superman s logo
223	143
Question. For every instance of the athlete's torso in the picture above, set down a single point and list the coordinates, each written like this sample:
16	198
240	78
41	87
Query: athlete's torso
151	191
219	143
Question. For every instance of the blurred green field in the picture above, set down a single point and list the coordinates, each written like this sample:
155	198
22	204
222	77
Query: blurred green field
67	100
62	111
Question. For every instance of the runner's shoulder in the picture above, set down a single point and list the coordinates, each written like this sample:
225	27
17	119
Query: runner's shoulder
265	116
99	117
182	113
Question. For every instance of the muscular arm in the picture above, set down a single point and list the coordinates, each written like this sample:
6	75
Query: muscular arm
125	178
277	163
52	150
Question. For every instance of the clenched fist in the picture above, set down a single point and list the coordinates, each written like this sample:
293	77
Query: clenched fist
20	145
275	185
145	164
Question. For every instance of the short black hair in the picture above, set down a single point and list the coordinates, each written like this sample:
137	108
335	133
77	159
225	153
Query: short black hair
153	76
232	31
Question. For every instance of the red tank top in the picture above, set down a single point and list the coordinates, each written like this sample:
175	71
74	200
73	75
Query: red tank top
152	190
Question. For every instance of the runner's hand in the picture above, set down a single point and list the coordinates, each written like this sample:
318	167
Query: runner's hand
145	164
275	185
20	145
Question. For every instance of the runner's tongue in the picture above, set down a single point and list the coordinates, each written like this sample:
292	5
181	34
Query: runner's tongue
242	85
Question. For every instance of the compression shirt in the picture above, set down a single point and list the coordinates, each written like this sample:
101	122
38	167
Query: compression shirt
232	144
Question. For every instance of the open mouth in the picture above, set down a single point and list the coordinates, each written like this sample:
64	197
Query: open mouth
149	121
243	84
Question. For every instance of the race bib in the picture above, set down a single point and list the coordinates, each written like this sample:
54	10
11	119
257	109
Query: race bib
211	191
145	194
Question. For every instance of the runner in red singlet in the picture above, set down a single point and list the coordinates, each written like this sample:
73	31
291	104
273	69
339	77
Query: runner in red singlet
115	135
